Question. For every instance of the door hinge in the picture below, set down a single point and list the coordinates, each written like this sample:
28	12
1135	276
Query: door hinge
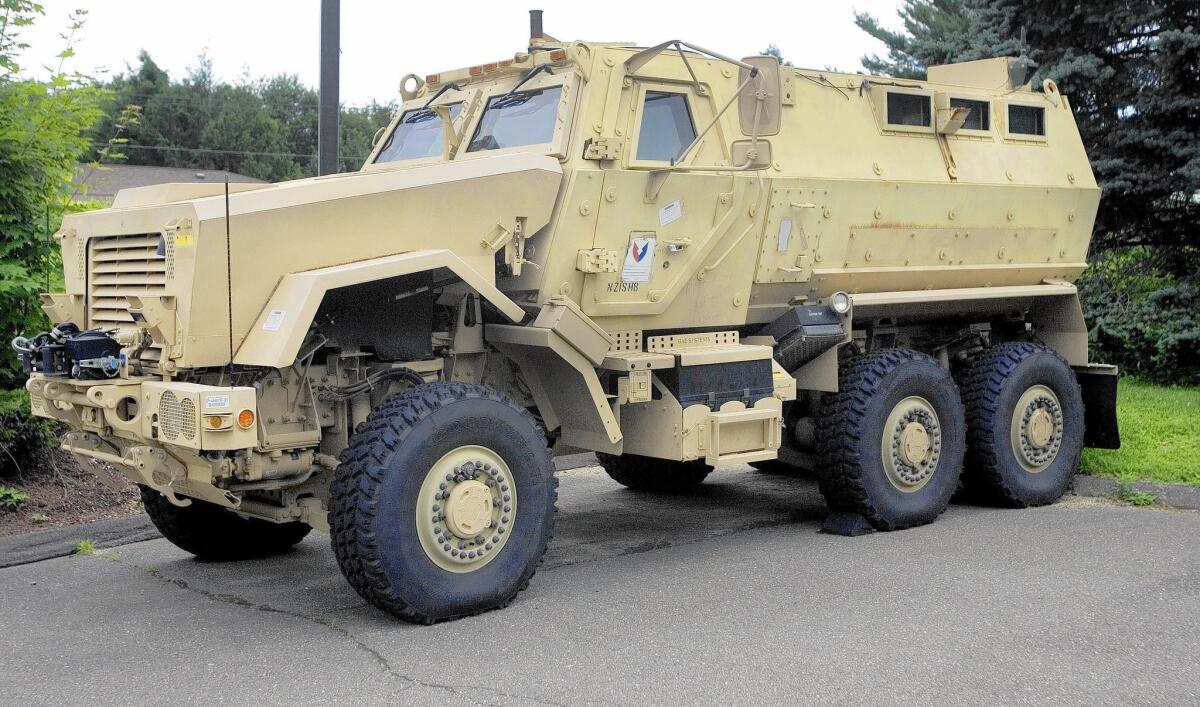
596	260
603	148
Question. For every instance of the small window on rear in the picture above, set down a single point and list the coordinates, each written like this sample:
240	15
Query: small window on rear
909	109
1026	120
666	128
980	117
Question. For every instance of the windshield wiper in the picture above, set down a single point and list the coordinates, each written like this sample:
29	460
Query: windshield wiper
530	74
442	90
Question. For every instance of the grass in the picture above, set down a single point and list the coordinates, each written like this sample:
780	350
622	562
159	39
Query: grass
1160	436
85	547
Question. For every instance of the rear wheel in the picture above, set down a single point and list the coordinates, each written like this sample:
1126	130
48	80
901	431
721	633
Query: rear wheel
1024	424
444	503
890	441
214	533
651	474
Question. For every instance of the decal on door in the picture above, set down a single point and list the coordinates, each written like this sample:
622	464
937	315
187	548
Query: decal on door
639	258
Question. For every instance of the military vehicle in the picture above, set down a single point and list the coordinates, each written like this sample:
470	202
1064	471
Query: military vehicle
675	259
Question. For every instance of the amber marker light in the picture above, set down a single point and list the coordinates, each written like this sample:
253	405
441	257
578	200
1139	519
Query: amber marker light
214	421
246	419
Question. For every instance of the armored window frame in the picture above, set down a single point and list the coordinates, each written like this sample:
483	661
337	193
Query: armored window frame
880	99
467	96
700	109
558	145
971	103
643	99
1032	138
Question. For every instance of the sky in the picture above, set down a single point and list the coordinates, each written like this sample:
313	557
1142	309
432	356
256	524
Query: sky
384	40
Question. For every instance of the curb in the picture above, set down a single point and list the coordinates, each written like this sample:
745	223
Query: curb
60	542
1165	495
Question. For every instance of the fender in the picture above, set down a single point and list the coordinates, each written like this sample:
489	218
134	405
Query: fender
279	331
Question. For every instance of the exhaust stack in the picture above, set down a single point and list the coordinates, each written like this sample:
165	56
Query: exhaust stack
535	26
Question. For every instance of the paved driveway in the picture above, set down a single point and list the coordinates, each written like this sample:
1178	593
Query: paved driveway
727	596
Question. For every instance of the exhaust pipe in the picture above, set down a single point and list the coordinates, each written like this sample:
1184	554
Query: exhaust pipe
535	25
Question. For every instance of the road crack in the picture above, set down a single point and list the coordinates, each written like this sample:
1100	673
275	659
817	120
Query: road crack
380	659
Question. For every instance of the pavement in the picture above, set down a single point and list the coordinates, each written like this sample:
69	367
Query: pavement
729	595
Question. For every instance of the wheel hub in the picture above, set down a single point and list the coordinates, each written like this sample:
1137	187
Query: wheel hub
466	508
1037	428
469	509
912	444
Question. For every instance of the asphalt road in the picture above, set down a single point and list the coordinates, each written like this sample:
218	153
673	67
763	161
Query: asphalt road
727	596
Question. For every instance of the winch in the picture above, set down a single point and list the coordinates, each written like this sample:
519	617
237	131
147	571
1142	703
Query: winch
67	351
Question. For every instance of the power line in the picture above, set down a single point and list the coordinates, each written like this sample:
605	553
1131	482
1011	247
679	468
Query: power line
172	148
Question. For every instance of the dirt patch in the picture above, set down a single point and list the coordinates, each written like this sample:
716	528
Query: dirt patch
64	493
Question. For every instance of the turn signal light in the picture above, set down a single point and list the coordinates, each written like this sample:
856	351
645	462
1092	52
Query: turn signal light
246	419
215	421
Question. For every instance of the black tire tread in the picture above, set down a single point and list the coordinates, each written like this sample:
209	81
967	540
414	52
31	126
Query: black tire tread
650	474
354	494
840	427
211	532
981	385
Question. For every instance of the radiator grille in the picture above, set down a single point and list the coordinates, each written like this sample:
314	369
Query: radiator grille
121	266
176	417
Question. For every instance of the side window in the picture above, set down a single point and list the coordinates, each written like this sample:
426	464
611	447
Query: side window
418	134
666	128
980	117
909	109
1026	120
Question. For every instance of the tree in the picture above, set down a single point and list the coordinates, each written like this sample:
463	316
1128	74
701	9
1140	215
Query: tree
43	128
1131	70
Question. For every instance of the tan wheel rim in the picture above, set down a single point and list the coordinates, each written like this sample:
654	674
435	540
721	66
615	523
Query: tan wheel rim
1036	428
912	444
466	508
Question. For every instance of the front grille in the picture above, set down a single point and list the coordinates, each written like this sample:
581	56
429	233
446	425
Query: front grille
176	417
122	266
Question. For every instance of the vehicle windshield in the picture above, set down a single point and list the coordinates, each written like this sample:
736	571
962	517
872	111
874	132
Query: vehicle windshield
418	134
516	119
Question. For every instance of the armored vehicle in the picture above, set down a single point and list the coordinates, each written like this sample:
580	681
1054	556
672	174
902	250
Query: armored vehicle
675	259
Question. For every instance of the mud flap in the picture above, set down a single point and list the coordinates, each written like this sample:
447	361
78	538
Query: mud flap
1098	384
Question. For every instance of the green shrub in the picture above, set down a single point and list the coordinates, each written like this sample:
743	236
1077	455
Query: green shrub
1140	317
22	436
12	499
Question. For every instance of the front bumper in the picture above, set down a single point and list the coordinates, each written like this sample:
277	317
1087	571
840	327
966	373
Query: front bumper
188	415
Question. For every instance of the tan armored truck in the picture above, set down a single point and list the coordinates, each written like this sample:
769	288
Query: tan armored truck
672	258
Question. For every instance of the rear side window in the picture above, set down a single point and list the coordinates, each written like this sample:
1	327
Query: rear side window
980	117
909	109
1026	120
418	134
666	127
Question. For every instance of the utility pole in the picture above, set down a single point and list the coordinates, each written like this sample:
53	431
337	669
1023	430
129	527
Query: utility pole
327	114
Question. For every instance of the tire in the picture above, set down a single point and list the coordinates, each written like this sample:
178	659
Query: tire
908	393
393	469
776	467
211	532
1019	472
651	474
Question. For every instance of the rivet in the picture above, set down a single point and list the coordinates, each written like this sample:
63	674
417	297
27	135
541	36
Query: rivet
585	208
876	168
953	213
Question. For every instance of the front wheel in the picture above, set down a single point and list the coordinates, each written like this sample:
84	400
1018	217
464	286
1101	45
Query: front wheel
444	503
213	533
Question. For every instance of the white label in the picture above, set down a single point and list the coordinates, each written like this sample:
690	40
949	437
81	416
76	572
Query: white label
274	320
785	234
216	402
639	258
670	213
